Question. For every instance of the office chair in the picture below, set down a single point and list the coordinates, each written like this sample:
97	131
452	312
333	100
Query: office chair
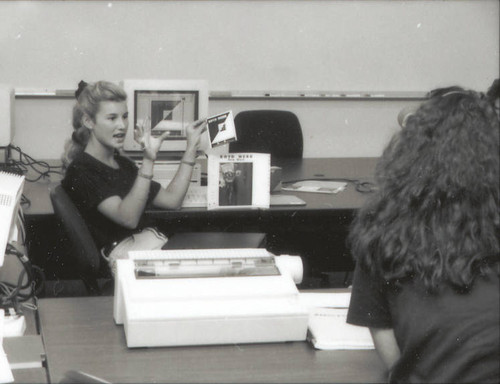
210	240
268	131
84	250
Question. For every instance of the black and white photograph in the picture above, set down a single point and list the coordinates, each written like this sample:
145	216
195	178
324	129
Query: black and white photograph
238	181
250	191
235	184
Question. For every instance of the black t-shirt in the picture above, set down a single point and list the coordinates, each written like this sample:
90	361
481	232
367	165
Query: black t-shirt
448	337
88	182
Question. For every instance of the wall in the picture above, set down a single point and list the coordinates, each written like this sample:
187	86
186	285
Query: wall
286	45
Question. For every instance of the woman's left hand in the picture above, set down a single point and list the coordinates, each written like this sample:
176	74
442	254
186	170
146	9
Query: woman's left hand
194	131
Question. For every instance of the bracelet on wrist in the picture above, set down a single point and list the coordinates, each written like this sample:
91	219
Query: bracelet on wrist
144	176
190	163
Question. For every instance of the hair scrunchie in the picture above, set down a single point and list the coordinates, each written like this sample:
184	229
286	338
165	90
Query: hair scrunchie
81	86
76	138
81	135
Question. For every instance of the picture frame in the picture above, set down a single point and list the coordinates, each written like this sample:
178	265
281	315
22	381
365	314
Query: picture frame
238	180
169	105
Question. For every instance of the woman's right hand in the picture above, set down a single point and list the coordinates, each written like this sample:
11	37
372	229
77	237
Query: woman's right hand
150	144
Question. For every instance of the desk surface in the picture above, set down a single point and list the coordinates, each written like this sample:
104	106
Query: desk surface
316	231
80	334
293	169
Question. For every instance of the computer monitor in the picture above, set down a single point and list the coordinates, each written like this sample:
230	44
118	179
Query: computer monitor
169	104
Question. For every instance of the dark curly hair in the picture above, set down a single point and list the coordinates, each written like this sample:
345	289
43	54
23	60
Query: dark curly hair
435	216
493	92
493	95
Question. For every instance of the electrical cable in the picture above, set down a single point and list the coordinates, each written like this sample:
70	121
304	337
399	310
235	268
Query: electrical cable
25	162
11	295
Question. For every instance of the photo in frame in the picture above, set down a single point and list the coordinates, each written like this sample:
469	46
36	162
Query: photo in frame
238	180
168	106
169	111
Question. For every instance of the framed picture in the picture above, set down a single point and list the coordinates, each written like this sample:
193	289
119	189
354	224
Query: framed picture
169	111
168	105
238	180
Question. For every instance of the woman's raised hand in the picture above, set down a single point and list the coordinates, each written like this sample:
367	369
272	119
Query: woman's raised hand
194	132
151	144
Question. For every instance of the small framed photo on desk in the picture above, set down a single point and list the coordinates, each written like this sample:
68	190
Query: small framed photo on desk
238	180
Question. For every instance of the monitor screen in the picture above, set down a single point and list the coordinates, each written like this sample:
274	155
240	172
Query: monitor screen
169	105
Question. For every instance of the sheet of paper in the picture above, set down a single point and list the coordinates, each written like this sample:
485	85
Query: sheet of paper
317	186
332	300
328	328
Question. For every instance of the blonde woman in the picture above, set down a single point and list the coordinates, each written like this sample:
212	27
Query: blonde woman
109	190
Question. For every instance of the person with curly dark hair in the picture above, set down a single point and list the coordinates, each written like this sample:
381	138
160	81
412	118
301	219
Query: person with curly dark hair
426	245
493	95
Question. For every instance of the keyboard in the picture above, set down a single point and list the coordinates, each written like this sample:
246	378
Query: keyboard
164	171
196	197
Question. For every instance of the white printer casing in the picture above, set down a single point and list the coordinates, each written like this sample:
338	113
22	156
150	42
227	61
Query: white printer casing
175	308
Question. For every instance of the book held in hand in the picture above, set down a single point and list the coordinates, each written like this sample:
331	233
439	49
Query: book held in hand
221	129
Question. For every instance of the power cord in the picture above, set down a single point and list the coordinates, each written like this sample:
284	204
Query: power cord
12	295
26	162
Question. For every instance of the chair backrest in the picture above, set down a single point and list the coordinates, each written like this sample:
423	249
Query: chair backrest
84	250
210	240
268	131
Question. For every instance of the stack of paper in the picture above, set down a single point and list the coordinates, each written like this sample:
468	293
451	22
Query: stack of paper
327	322
317	186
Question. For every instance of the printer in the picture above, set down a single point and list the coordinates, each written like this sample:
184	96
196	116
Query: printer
209	296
